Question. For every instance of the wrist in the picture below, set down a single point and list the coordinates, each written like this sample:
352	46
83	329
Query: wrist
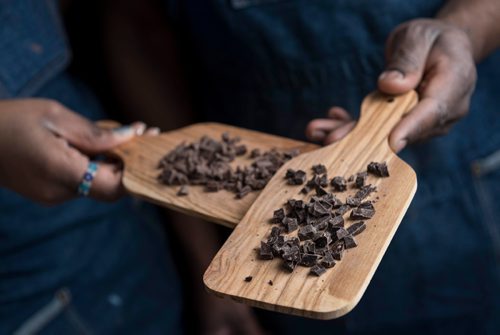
478	20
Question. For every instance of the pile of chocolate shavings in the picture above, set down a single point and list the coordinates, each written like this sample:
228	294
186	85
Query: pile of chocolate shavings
207	163
315	233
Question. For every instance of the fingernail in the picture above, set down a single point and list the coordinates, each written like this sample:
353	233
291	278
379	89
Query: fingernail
391	75
124	130
153	131
139	129
317	135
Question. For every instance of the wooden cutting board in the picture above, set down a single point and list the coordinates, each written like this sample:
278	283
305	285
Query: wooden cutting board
142	155
337	291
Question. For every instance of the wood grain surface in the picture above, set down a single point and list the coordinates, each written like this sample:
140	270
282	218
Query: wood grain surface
340	288
142	155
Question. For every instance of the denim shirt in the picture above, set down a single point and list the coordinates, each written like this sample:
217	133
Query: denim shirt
262	63
83	266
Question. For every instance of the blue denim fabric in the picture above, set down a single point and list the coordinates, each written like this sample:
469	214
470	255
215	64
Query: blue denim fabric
275	65
110	260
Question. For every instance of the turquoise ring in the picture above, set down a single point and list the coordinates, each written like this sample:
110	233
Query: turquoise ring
88	177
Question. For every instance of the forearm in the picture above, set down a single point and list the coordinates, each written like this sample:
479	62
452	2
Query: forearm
480	19
142	59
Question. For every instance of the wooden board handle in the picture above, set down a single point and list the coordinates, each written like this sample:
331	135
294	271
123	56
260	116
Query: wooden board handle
379	114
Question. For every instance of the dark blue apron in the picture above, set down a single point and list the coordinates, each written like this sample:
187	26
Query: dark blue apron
83	267
274	65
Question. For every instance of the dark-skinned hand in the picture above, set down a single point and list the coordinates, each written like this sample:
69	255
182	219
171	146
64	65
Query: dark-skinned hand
431	56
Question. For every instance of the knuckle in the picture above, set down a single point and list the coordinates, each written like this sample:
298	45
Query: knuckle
53	107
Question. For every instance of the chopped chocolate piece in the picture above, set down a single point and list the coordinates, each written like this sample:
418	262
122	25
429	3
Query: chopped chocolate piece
342	209
270	282
243	192
339	184
360	179
319	169
240	150
309	247
338	250
266	251
341	233
248	279
353	201
323	240
293	241
278	215
290	224
307	232
322	222
320	191
367	205
349	242
306	189
255	153
362	213
327	261
292	254
318	270
356	228
289	266
290	173
378	169
183	191
308	260
323	181
336	221
364	192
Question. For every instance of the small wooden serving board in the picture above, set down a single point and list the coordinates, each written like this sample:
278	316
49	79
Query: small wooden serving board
337	291
142	155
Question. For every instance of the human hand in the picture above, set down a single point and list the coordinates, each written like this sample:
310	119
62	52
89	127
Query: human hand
226	317
431	56
46	150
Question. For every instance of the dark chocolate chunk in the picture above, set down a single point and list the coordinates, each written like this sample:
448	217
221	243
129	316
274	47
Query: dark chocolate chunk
244	191
353	201
270	282
308	260
248	279
349	242
378	169
342	209
338	250
336	221
362	213
309	247
323	240
183	191
341	233
360	179
339	184
327	261
289	266
266	251
290	224
307	232
364	192
319	169
278	215
318	270
255	153
356	228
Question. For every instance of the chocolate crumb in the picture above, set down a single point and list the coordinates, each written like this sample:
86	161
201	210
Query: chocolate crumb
248	279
